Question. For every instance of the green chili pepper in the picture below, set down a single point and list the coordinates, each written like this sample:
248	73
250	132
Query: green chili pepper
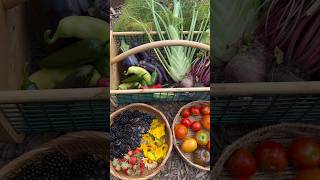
154	77
83	27
133	78
48	78
140	72
81	52
126	86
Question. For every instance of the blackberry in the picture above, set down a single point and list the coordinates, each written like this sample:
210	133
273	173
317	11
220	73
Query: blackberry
56	166
127	131
29	172
83	166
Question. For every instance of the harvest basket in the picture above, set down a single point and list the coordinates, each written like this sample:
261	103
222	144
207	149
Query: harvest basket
149	95
265	102
72	144
160	116
37	111
187	157
282	133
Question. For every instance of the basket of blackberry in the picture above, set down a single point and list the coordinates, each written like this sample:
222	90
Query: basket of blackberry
75	156
140	142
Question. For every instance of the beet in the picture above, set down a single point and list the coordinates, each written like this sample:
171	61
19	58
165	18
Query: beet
249	66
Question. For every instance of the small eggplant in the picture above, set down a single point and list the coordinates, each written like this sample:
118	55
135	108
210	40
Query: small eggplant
161	69
141	55
131	60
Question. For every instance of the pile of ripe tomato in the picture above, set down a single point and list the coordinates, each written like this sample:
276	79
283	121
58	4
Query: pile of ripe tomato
271	156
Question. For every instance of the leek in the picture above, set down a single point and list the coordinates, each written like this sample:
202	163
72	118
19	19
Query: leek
176	60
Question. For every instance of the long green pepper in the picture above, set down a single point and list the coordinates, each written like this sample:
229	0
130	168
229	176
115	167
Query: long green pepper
82	27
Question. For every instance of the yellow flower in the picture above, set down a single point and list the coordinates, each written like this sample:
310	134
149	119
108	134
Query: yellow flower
153	144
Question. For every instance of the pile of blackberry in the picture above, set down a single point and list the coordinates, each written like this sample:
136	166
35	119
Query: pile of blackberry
127	130
57	166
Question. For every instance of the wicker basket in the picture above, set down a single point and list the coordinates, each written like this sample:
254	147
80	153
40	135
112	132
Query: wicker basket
72	144
282	133
148	95
187	157
23	112
159	115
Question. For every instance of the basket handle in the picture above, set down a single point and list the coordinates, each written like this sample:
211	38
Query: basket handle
158	44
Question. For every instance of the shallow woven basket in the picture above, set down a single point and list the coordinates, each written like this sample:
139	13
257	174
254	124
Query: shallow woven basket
187	156
282	133
72	144
160	116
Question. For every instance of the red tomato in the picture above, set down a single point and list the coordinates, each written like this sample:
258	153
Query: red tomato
242	163
186	122
196	126
309	174
271	156
185	113
205	121
180	131
205	110
304	153
195	111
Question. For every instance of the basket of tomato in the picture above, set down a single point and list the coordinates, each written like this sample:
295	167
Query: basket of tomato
282	151
191	128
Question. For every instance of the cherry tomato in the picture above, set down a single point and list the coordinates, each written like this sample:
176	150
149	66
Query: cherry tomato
196	126
242	163
304	153
185	113
186	122
180	131
205	110
271	156
195	111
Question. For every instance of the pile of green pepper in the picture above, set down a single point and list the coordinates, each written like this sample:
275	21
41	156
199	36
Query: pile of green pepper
78	65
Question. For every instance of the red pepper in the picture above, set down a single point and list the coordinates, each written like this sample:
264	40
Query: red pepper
157	86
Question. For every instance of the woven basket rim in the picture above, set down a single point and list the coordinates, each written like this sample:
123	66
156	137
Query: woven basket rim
175	140
158	169
49	146
256	135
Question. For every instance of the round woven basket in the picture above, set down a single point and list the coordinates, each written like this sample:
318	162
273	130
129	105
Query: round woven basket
91	142
187	156
282	133
160	116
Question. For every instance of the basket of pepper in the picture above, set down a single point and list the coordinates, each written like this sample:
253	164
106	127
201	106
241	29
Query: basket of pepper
59	65
282	151
141	142
161	64
72	156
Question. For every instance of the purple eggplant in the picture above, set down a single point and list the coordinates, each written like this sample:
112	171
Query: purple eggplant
160	67
131	60
151	67
141	55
